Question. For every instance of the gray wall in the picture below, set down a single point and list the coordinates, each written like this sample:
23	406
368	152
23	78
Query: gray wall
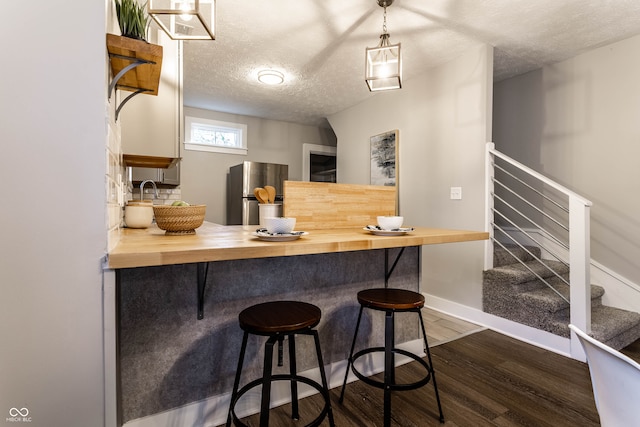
444	121
204	175
52	128
577	122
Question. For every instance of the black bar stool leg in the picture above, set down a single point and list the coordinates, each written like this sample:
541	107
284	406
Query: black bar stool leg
236	382
277	320
433	372
294	384
350	359
392	301
266	381
389	364
323	375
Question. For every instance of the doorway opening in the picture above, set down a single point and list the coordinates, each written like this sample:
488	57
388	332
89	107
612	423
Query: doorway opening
319	163
323	168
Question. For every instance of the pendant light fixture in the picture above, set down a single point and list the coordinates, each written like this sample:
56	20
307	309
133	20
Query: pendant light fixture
383	63
185	19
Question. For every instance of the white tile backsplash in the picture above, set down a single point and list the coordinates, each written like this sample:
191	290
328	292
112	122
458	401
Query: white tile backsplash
114	186
166	196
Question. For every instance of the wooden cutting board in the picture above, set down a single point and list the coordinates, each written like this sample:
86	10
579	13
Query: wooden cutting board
320	205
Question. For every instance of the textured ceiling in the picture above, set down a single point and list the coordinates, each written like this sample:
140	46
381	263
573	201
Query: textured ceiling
319	46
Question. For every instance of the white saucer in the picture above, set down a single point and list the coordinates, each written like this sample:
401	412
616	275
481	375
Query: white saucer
279	237
380	232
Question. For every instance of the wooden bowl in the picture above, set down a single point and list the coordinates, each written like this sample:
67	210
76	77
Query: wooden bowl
179	220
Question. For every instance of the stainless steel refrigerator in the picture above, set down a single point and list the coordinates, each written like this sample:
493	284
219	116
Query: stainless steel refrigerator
242	205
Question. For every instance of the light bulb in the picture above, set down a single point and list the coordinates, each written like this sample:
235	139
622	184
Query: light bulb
383	70
185	6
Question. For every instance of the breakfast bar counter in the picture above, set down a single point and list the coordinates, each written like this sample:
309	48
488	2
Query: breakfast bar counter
178	363
212	242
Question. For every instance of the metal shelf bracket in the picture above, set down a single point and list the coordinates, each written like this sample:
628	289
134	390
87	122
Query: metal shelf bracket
387	271
203	269
135	62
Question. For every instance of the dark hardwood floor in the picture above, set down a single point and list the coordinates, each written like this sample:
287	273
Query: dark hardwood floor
484	379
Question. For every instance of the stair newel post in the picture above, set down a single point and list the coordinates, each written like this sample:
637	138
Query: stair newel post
579	275
489	217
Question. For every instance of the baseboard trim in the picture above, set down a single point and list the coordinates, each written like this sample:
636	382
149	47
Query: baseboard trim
536	337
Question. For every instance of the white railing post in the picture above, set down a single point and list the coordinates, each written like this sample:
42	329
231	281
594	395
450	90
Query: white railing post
488	189
579	276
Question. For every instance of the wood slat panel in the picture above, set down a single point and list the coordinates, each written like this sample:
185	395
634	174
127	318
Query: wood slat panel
317	205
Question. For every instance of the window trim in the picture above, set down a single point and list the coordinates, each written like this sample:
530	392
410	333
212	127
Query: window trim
241	127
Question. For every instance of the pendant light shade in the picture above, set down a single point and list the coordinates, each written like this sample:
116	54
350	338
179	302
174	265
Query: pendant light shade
383	69
185	19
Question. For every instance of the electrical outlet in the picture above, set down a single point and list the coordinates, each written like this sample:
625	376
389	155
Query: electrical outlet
456	193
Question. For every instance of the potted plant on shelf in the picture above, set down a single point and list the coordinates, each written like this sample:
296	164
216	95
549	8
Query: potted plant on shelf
132	46
132	19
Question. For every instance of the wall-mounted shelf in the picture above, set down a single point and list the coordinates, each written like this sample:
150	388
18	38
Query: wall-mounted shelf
135	160
135	66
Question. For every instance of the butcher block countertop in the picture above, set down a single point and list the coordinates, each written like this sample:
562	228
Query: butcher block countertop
212	242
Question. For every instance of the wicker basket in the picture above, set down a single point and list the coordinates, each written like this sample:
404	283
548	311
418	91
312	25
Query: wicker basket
178	220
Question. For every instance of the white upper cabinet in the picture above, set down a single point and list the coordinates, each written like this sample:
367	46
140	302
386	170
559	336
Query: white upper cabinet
150	125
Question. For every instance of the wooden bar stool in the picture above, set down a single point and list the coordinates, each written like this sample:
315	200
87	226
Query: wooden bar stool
391	301
277	320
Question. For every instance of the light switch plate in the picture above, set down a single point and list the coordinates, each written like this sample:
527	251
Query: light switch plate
456	193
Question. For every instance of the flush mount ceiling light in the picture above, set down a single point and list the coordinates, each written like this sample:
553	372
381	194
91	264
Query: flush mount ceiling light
184	19
270	77
383	63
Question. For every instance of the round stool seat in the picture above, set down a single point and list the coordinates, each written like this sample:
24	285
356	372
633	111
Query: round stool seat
279	316
390	299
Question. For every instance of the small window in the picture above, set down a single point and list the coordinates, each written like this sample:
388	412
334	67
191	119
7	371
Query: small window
215	136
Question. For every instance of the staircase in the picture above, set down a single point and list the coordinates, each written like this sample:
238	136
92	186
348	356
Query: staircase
513	292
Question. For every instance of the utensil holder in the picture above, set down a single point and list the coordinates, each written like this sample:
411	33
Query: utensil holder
269	210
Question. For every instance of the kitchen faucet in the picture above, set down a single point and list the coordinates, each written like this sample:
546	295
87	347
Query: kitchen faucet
142	188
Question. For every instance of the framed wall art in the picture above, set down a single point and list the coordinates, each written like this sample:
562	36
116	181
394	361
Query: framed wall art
384	159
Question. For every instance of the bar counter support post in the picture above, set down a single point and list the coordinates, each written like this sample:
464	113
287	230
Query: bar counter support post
387	272
203	268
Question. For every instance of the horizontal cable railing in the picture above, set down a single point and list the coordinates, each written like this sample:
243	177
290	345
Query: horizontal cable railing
527	209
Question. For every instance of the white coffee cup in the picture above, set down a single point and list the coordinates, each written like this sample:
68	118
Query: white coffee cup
279	225
390	222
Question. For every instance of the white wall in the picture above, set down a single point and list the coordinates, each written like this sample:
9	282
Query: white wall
204	175
53	133
444	120
578	122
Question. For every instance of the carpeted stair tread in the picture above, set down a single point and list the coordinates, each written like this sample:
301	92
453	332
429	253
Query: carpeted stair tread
608	322
613	326
502	257
537	284
546	299
515	293
517	273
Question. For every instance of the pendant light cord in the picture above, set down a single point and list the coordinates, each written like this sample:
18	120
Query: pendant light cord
384	22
